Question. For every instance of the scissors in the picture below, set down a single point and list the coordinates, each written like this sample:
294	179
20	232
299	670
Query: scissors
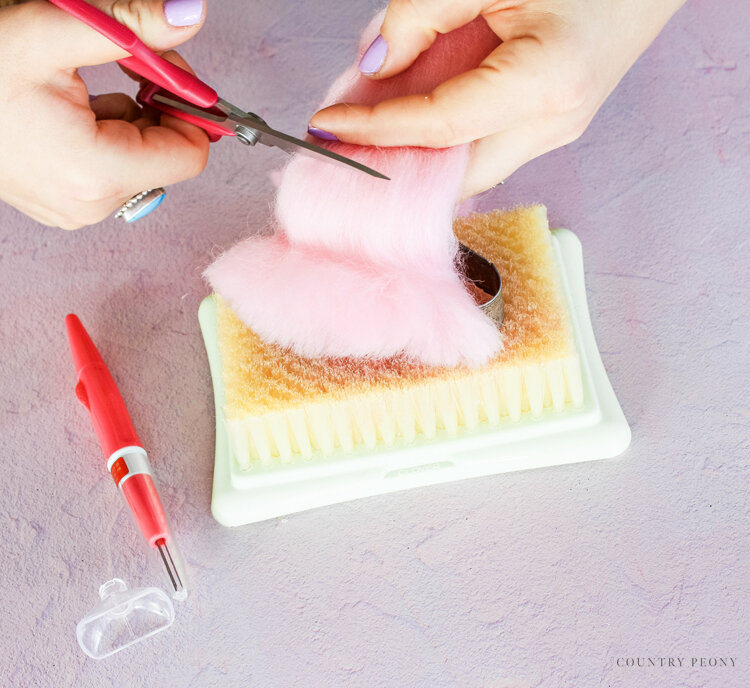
173	90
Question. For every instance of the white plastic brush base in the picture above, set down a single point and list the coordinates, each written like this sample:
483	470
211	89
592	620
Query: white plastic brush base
597	430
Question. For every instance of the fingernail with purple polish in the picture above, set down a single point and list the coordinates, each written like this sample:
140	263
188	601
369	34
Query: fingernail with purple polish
183	12
91	97
374	56
319	133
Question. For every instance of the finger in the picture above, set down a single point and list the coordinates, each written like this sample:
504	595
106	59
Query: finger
151	115
494	158
115	106
170	55
151	157
69	43
175	58
143	123
410	27
499	94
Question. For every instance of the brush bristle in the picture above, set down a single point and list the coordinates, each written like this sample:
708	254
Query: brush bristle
281	407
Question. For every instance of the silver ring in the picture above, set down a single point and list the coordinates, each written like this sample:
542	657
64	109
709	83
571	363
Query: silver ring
141	204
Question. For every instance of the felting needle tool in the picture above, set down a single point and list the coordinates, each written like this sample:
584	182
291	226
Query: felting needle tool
127	460
179	93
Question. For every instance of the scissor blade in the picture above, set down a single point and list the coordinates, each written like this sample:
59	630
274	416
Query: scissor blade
291	144
266	135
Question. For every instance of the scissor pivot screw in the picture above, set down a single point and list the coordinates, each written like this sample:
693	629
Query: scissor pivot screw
246	135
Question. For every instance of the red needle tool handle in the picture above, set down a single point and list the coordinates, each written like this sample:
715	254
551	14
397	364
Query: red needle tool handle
127	459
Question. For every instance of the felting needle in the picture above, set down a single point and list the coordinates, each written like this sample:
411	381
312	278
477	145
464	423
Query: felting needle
127	460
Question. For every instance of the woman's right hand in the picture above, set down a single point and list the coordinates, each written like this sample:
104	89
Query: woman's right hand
67	161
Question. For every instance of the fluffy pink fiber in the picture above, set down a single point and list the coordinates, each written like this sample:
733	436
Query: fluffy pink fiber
365	267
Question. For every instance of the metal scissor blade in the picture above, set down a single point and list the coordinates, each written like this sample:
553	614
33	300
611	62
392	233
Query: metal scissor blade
266	135
291	144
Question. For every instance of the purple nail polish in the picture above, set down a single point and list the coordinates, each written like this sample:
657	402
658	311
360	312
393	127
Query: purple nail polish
319	133
91	97
183	12
374	56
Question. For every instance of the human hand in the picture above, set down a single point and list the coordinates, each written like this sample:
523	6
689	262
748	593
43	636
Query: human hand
68	162
538	90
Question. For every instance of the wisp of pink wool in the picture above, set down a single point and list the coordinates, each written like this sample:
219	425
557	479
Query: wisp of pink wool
363	267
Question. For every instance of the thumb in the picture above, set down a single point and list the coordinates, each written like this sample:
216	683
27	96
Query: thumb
69	43
503	92
409	28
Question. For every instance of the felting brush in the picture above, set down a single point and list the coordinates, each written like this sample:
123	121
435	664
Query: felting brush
127	460
295	433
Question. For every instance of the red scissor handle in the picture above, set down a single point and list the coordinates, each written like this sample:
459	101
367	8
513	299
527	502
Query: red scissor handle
214	129
143	60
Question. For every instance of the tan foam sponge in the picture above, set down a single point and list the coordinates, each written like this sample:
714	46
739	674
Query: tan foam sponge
281	407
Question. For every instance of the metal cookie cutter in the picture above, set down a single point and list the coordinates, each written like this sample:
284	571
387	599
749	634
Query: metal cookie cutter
479	271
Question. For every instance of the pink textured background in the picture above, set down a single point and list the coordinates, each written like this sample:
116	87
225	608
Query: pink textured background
537	579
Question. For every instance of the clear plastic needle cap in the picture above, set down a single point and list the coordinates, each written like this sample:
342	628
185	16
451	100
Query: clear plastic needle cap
123	617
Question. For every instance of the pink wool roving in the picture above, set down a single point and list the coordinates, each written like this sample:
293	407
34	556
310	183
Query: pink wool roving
360	266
